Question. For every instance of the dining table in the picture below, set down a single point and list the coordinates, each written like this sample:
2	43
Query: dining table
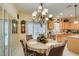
39	47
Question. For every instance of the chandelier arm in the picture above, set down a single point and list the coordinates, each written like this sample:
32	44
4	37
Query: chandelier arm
41	15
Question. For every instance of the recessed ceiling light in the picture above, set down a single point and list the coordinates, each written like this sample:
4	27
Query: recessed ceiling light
61	14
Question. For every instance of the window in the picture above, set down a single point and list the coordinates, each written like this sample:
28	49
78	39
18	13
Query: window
35	29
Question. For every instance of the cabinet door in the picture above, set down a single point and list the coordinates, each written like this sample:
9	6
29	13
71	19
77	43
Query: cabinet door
72	26
66	25
50	25
75	26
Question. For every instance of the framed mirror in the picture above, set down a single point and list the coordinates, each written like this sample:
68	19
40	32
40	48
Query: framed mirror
14	26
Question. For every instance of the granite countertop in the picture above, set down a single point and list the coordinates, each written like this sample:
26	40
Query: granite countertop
62	33
76	37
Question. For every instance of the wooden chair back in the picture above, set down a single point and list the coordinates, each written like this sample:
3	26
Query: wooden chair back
23	46
57	51
28	37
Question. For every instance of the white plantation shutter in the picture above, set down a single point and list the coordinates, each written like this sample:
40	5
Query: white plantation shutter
36	30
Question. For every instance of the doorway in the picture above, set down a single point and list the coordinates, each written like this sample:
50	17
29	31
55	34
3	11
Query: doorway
3	33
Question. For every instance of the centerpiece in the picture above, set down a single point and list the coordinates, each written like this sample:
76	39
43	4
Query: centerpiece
42	38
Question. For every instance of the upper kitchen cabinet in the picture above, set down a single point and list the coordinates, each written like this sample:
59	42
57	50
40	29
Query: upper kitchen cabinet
65	25
74	26
50	25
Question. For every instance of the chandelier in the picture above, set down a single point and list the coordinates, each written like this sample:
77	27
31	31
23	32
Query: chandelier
41	14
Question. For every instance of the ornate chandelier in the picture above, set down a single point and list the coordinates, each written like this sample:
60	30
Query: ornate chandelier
41	15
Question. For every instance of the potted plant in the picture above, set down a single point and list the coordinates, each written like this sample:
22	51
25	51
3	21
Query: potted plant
42	38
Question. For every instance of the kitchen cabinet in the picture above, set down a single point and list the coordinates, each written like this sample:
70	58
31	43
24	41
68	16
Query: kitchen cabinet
69	26
61	37
65	25
50	25
73	44
74	26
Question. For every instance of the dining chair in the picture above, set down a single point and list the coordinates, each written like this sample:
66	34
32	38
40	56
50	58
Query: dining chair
53	37
40	54
29	52
23	46
28	37
57	50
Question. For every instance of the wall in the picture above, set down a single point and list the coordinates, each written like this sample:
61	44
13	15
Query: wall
1	34
26	17
0	13
10	9
10	13
15	38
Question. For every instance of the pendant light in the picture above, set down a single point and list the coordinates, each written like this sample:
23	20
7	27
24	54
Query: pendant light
75	22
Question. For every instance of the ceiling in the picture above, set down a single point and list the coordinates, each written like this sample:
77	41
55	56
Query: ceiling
54	8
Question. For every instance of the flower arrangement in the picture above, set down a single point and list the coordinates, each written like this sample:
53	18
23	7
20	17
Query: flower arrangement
42	38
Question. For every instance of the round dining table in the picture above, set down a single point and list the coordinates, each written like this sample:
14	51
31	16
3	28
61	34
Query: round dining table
41	47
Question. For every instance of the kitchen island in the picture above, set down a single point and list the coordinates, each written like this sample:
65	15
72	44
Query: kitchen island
73	43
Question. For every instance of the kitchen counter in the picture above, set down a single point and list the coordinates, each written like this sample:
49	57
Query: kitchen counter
60	36
73	43
75	37
64	36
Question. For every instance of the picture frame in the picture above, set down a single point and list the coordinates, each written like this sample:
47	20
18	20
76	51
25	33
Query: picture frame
14	26
23	30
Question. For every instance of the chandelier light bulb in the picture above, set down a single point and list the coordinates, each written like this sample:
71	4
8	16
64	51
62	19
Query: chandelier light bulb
33	18
43	13
46	10
50	15
47	19
35	12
